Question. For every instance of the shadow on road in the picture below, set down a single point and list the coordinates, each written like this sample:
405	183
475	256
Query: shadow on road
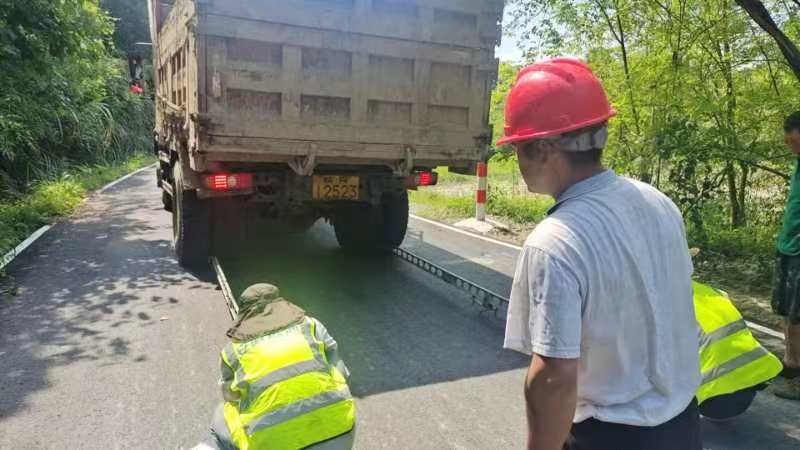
771	423
79	289
398	326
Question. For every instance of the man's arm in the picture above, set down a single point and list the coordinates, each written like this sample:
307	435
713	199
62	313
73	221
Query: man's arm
550	399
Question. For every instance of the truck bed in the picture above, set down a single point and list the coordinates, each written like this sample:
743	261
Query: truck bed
348	81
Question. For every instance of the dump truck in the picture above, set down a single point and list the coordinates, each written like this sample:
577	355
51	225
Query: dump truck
274	114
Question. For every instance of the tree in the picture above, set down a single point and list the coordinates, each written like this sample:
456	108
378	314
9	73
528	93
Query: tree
760	15
699	96
506	76
64	98
131	20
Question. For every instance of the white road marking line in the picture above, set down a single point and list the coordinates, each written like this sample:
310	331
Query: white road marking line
754	326
8	257
466	233
114	183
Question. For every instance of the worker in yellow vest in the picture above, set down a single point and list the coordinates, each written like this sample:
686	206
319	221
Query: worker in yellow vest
734	365
283	382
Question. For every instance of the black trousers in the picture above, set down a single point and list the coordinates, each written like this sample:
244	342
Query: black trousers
680	433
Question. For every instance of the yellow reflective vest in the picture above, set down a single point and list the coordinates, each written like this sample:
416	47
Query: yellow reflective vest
289	396
731	359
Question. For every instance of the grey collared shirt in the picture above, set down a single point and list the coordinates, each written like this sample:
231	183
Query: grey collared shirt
606	279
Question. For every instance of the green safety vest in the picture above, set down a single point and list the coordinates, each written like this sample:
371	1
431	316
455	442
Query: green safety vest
290	397
731	359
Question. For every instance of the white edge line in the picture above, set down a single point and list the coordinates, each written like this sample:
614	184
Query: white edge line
752	325
8	257
120	180
466	233
11	255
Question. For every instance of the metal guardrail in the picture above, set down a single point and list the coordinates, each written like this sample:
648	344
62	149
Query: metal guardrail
485	298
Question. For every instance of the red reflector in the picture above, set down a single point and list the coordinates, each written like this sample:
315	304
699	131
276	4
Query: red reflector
422	179
426	179
229	181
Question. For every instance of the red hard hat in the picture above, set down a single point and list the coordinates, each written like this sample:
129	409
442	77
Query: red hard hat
552	98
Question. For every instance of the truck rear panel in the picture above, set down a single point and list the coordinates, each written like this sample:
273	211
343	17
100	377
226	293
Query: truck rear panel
386	82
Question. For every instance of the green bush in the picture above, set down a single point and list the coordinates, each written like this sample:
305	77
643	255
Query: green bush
65	99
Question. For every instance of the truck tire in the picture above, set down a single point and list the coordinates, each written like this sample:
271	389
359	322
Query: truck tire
377	229
190	224
166	200
395	221
352	229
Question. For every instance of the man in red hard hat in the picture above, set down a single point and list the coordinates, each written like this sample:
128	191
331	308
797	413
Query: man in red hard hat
602	295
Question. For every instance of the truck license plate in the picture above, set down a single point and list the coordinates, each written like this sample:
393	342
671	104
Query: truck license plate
336	187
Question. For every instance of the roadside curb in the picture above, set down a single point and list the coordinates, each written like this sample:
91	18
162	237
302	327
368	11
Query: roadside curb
466	232
9	257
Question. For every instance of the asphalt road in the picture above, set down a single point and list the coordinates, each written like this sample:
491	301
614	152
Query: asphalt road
109	344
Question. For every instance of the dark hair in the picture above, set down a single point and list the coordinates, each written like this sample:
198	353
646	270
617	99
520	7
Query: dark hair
583	159
792	123
575	159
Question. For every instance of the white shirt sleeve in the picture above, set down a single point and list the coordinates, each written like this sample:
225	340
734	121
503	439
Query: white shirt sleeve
545	310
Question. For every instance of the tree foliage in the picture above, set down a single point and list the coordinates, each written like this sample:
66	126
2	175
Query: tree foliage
64	98
131	23
701	93
507	74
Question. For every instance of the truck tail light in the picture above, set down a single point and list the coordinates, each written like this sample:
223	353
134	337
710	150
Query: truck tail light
229	181
422	179
427	178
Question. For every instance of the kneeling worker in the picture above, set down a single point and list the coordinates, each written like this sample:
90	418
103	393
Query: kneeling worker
283	382
733	364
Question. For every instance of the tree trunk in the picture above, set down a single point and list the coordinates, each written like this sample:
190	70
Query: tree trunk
733	196
743	187
760	15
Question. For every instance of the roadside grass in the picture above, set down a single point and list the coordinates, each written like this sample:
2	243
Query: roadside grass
508	200
439	206
58	197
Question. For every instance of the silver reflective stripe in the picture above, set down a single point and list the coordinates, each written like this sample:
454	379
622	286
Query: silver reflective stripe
258	387
735	363
309	334
298	409
230	355
721	333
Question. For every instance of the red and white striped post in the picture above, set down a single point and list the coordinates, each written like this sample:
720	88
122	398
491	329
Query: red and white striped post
483	184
